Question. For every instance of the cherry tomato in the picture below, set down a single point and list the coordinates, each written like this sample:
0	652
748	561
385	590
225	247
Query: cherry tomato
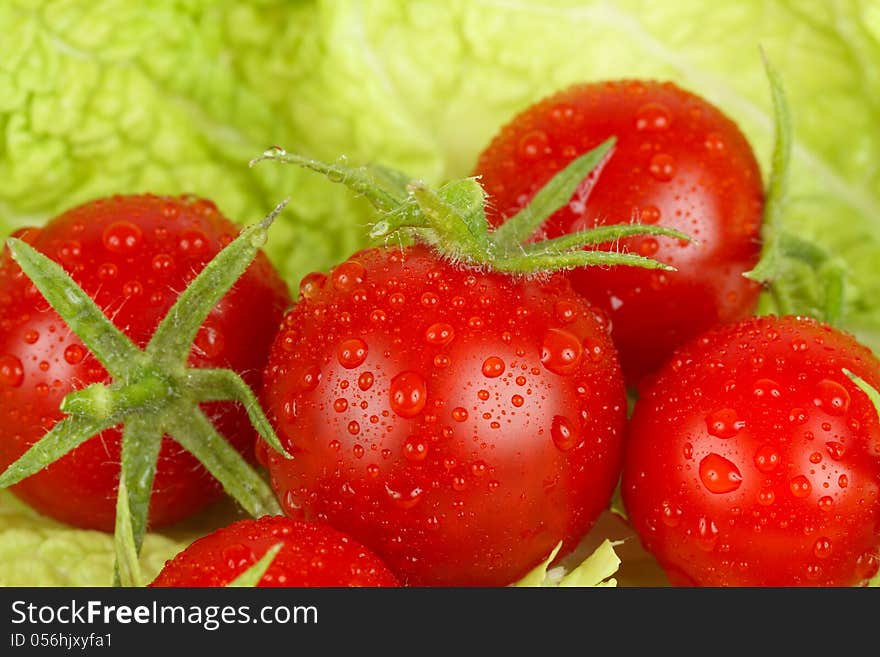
679	162
753	460
460	423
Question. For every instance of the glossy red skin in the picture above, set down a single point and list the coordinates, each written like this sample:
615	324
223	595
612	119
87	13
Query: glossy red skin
790	520
80	488
313	555
712	191
443	493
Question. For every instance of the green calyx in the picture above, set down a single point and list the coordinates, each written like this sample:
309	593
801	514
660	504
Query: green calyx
452	218
153	392
801	276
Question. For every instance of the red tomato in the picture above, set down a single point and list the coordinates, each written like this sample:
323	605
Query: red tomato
679	162
459	423
133	255
311	555
753	460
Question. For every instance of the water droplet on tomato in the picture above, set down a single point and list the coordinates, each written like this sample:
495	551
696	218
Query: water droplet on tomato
566	311
797	416
843	481
107	271
831	397
714	142
358	451
561	352
652	117
210	341
649	214
707	533
670	514
408	394
825	503
822	547
311	284
459	414
724	423
162	263
133	289
662	167
348	275
340	405
532	145
439	334
351	353
517	400
365	381
493	367
192	242
404	499
11	371
74	354
648	247
121	237
766	389
800	486
565	434
835	449
766	458
766	497
415	448
718	474
31	337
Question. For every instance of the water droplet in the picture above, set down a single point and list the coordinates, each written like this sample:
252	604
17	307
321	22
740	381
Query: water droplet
825	503
309	379
483	394
662	167
348	275
766	497
652	117
358	450
533	145
835	449
831	397
648	247
649	214
564	433
800	486
822	547
724	423
797	416
707	533
714	142
210	341
439	334
799	344
493	367
517	400
11	371
121	237
107	271
365	381
31	337
351	353
74	354
441	361
670	514
766	458
340	405
718	474
766	389
162	263
405	499
843	481
561	352
311	284
459	414
133	289
408	394
192	242
415	448
687	450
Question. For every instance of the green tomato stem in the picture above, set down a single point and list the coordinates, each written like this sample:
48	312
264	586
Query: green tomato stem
252	576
